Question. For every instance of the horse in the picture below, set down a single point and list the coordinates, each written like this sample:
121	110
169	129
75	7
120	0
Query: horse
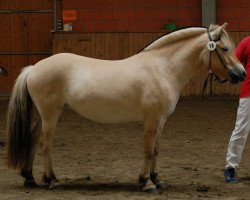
3	71
142	88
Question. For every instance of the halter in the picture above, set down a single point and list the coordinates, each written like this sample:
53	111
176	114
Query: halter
212	46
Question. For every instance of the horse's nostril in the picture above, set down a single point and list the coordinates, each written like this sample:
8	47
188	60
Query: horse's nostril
244	74
236	76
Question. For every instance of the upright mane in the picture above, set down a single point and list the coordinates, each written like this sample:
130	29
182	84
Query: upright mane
174	36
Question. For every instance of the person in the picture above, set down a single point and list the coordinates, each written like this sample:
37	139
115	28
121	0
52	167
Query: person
242	125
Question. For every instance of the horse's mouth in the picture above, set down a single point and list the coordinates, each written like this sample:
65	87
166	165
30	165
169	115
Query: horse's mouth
236	77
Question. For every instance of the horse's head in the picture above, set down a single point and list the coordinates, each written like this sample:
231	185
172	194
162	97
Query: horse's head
3	71
223	61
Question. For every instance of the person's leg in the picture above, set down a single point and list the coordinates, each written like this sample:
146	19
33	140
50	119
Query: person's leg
239	135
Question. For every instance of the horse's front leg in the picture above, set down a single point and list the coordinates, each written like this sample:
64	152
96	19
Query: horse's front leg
153	129
153	174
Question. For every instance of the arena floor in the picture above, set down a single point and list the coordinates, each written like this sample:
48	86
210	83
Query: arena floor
103	161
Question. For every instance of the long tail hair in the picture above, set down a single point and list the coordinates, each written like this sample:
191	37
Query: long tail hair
19	123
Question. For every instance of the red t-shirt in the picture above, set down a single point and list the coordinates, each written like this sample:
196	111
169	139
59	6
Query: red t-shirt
242	52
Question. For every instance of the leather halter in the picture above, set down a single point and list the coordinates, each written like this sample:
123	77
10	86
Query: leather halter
210	72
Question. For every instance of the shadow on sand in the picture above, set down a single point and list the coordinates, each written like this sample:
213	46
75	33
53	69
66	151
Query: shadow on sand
89	185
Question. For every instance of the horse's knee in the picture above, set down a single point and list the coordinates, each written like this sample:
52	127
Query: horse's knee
46	144
156	152
150	133
149	154
45	147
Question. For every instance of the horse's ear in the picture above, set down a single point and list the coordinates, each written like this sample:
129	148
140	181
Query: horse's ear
218	31
223	27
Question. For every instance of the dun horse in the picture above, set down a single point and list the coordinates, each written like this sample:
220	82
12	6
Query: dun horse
145	87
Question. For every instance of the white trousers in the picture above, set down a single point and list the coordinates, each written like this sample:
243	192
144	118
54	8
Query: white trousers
240	133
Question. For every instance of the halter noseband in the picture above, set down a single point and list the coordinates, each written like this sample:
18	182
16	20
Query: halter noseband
212	47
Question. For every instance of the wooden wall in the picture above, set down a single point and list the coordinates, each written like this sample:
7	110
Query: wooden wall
110	46
132	15
113	46
25	36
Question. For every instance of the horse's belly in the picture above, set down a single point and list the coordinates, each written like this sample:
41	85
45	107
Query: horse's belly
107	113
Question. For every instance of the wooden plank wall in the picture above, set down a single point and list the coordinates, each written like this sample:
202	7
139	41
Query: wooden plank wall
110	46
113	46
15	27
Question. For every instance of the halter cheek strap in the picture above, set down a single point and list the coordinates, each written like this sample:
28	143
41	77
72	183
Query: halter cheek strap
212	47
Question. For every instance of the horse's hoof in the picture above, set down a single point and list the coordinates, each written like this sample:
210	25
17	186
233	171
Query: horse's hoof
147	185
30	183
55	185
149	190
159	183
49	180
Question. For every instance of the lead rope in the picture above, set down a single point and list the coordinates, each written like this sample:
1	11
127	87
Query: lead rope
208	79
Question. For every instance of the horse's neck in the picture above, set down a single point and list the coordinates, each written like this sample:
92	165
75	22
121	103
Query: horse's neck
183	60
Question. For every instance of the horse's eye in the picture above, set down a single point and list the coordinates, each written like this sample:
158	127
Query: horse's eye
224	49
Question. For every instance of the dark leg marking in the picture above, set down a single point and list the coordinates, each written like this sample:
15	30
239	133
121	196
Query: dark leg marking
29	181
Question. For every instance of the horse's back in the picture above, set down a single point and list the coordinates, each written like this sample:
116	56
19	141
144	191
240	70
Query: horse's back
97	89
100	90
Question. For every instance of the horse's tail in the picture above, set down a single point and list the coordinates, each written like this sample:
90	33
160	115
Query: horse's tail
19	123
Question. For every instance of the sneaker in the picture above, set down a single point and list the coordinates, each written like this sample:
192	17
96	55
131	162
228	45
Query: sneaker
230	175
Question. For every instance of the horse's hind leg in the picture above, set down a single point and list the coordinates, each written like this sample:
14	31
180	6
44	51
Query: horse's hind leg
26	171
48	129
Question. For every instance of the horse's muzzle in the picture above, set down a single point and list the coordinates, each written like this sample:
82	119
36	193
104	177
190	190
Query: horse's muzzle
236	76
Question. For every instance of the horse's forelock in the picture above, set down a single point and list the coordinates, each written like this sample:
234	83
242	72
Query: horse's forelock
224	37
213	27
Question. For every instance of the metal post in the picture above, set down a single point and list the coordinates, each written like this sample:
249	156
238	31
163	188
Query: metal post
54	18
25	42
208	12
